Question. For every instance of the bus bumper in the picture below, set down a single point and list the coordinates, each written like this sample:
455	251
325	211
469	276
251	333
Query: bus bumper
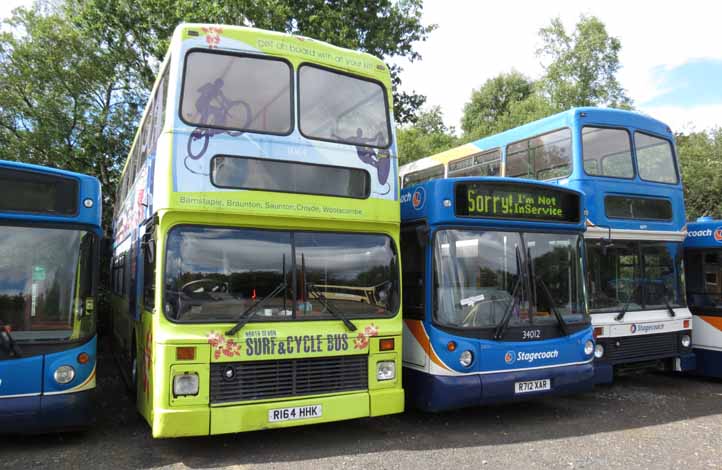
684	362
438	392
47	413
200	421
709	362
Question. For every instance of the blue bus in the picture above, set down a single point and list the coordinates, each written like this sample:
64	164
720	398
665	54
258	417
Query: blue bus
626	166
703	274
49	246
494	303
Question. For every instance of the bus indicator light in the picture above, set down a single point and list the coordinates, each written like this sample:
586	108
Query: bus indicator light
83	358
598	331
451	346
185	353
386	344
685	324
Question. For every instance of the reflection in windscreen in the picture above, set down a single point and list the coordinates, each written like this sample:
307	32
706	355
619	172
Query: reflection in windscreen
237	92
607	152
38	279
655	158
630	275
342	108
216	274
481	277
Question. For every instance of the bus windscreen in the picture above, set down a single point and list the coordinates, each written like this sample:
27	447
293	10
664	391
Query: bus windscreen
27	191
510	201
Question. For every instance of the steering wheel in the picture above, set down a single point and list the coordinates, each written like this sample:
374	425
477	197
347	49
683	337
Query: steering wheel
207	285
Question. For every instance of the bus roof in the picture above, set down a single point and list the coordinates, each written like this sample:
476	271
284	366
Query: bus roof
568	118
291	46
428	201
88	188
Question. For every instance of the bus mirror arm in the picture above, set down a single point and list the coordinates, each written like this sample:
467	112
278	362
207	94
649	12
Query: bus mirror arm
607	243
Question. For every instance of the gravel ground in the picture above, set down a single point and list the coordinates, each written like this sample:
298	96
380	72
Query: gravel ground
643	421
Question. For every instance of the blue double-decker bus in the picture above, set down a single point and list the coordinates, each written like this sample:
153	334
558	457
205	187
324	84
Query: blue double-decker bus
625	165
49	247
494	302
703	272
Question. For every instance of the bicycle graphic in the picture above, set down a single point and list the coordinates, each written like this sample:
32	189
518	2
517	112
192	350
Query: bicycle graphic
216	111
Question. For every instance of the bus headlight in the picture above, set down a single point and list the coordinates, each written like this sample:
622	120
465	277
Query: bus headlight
466	358
686	341
64	375
186	384
385	370
589	347
598	351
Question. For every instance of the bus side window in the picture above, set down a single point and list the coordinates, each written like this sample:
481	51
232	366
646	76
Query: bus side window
413	260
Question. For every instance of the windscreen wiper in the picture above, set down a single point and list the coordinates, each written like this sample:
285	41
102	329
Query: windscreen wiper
324	301
507	313
623	312
669	308
253	309
550	299
7	342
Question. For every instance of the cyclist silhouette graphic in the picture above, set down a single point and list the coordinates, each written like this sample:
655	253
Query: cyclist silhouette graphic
214	110
381	159
207	94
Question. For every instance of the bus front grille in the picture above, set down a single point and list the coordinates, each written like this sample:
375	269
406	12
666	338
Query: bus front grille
640	348
262	380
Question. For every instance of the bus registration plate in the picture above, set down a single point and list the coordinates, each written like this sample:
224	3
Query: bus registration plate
296	412
532	386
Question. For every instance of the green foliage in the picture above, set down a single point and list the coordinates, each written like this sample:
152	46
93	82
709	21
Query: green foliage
65	102
700	157
427	136
579	70
580	67
385	28
492	102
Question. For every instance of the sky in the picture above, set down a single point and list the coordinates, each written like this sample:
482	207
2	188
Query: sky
671	53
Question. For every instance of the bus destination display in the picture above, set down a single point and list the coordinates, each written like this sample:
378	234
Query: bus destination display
32	192
516	201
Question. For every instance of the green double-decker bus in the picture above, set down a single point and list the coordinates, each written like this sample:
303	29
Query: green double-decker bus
255	270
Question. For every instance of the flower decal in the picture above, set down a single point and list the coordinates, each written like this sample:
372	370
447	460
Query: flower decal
362	339
213	36
223	346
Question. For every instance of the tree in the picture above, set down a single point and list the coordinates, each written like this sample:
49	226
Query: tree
427	136
492	101
580	68
700	158
64	101
386	28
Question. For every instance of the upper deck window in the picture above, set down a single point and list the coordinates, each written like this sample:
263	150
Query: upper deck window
426	174
230	91
341	108
655	158
481	164
543	157
607	152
